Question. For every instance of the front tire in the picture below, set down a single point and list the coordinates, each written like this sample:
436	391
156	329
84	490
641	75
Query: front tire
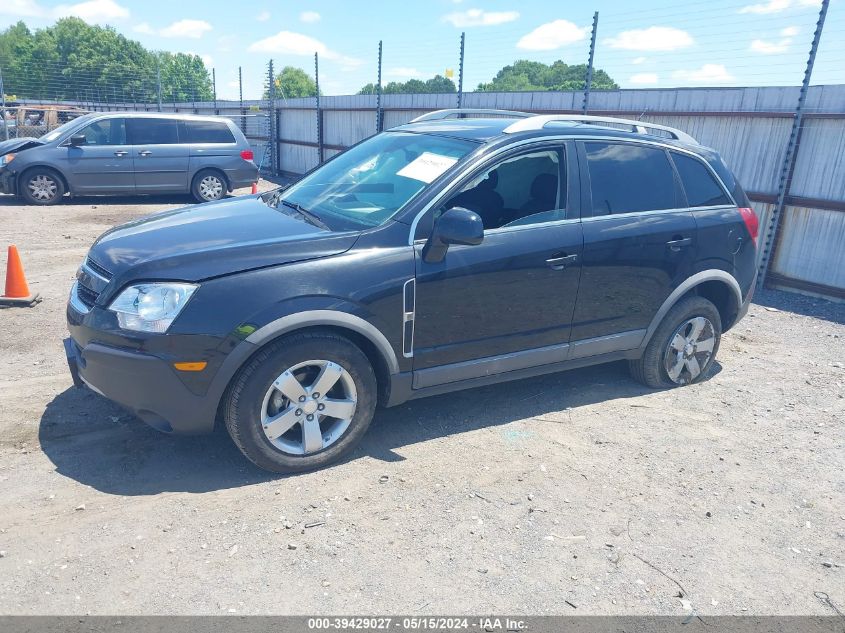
683	346
301	403
41	186
209	185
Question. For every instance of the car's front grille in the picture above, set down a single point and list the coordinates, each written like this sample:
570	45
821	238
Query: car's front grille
86	295
105	274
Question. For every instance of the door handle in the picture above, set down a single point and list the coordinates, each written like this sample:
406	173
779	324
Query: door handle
561	262
678	243
121	152
145	152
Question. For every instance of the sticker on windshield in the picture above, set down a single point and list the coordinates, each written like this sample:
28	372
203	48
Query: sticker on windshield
427	166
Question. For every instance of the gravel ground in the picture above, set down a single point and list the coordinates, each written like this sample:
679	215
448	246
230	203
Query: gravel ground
576	493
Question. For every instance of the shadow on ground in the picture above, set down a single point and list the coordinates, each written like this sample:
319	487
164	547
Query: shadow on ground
97	443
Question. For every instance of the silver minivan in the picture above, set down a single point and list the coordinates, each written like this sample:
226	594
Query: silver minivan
126	153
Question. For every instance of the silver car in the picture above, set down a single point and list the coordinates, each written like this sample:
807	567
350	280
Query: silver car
125	153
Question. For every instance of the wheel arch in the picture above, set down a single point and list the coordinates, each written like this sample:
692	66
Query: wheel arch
53	168
372	342
217	170
717	286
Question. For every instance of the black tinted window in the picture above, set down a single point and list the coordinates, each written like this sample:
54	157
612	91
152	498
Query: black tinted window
105	132
702	189
625	177
209	132
145	131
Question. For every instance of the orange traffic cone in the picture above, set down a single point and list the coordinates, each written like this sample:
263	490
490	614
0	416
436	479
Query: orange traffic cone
255	187
17	290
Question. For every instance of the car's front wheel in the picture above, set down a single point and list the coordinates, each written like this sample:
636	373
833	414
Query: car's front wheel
683	347
301	402
209	185
41	186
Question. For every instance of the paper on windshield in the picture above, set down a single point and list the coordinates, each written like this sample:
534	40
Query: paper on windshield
427	166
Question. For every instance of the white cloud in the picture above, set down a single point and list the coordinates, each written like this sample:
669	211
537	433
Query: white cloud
403	72
290	43
552	35
772	48
143	27
208	60
477	17
707	74
639	60
263	16
641	79
654	38
309	17
776	6
93	10
193	29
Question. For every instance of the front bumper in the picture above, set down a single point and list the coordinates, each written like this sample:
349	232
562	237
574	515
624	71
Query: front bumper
143	383
7	182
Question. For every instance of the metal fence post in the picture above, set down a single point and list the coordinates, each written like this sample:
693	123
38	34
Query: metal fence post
3	106
158	84
379	116
319	110
461	73
788	167
241	98
214	88
588	80
272	144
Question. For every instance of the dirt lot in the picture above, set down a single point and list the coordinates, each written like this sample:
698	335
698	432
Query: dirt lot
577	493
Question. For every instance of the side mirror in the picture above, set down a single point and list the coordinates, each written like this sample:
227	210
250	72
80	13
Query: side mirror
456	226
78	140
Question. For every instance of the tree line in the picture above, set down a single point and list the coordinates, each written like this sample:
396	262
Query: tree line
73	60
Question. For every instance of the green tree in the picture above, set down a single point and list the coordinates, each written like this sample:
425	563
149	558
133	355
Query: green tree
436	84
294	82
73	60
526	75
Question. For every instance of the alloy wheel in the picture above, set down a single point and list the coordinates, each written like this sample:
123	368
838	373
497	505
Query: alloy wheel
689	350
309	407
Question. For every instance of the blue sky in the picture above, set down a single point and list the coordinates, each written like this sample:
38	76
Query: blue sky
642	44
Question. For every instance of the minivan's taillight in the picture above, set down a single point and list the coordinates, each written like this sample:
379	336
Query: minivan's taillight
247	154
751	222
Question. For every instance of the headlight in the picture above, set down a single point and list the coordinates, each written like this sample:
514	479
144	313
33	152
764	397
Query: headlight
151	307
6	159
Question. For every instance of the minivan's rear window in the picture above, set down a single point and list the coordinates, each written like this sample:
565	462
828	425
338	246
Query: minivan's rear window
209	132
148	131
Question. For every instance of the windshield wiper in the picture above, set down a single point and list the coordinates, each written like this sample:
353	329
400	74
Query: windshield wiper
307	215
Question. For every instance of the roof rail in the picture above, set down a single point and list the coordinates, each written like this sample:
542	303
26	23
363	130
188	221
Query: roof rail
539	122
467	113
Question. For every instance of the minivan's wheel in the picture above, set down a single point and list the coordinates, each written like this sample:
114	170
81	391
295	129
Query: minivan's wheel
41	186
683	346
301	402
209	185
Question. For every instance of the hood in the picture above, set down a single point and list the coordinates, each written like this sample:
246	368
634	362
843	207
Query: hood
18	144
210	240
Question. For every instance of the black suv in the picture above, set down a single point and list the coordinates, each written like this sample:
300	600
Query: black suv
463	249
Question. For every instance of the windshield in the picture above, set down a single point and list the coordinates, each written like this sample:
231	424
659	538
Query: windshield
64	127
369	183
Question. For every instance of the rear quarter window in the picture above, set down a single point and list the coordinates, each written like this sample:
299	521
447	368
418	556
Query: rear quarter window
701	187
209	132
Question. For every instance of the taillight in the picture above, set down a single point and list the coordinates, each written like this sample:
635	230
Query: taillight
751	222
247	154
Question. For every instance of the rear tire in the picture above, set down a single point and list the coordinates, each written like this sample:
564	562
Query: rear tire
278	417
41	186
683	346
209	185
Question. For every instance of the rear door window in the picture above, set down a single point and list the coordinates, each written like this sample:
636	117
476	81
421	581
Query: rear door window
209	132
627	177
699	184
148	131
